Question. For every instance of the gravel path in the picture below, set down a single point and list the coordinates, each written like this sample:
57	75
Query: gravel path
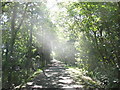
56	76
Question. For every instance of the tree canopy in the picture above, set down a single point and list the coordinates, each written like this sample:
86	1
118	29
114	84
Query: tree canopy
84	35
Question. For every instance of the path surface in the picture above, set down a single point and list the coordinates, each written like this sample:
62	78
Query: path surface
57	77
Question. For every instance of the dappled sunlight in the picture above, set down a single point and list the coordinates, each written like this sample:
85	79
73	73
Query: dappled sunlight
60	44
65	81
61	78
36	86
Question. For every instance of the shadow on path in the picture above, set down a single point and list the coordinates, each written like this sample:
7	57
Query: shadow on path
58	77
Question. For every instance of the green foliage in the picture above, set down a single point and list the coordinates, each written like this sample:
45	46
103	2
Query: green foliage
20	53
88	37
94	29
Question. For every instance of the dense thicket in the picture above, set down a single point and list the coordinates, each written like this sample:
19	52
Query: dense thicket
23	50
94	32
88	37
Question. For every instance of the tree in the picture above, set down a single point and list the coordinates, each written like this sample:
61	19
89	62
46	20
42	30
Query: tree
21	44
94	29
